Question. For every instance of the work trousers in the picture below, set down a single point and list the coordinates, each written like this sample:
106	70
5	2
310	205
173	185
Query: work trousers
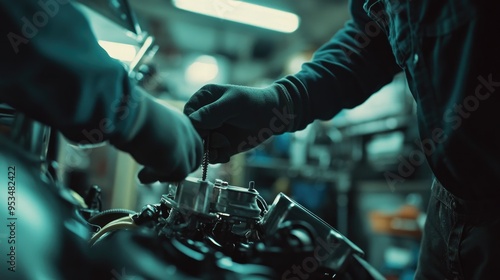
461	238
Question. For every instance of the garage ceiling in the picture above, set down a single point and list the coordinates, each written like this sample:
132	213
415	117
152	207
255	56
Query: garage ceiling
250	54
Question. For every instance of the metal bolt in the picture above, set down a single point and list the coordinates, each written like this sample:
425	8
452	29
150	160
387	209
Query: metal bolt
251	185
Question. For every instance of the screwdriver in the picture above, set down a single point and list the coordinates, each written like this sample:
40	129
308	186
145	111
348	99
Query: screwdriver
206	155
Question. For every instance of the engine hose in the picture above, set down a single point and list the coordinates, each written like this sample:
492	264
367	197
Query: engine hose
121	223
104	217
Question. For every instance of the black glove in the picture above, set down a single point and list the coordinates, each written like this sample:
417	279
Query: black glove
164	141
238	118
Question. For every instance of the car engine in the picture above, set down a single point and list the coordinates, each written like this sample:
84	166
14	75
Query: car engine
218	231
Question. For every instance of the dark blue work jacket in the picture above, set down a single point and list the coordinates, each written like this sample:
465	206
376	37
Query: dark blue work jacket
450	53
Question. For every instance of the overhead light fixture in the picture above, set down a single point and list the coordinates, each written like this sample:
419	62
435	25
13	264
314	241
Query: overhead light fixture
120	51
203	70
243	12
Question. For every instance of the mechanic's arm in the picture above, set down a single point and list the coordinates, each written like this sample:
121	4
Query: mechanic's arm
343	73
54	71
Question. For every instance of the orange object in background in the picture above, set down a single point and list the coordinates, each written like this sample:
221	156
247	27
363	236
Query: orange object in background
404	222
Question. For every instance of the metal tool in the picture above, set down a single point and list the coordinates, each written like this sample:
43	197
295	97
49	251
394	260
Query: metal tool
205	162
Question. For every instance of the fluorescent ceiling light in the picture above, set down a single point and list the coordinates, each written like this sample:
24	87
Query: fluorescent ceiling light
120	51
242	12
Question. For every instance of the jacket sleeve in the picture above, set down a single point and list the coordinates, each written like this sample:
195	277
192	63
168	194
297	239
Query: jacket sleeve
53	70
344	72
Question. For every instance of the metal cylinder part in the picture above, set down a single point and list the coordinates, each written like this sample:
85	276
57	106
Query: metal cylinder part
237	201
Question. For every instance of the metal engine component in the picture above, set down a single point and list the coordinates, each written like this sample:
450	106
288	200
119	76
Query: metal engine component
194	196
236	201
203	197
220	223
285	211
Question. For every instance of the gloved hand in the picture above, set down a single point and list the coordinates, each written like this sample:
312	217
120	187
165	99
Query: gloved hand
238	118
164	141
